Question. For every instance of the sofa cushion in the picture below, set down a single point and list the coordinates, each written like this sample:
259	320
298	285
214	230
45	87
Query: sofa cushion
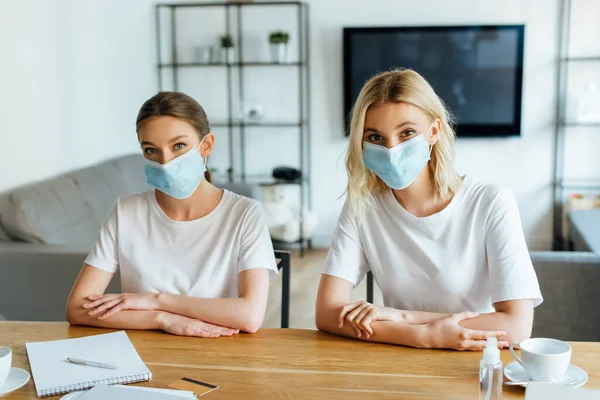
69	209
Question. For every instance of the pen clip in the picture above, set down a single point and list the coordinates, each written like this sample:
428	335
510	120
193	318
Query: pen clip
74	361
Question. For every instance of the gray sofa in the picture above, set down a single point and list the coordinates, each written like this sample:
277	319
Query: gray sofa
47	229
569	284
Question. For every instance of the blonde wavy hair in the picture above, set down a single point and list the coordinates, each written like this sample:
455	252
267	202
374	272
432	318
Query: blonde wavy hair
405	86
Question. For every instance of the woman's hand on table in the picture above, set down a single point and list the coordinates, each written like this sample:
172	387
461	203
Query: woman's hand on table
176	324
446	333
361	314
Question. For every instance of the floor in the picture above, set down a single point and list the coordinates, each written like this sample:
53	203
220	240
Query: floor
306	272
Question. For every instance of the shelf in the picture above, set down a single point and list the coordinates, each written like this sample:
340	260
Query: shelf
234	71
580	59
580	185
273	124
261	180
241	64
231	4
580	124
284	242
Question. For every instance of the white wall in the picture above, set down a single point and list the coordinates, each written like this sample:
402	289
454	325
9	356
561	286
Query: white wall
72	76
75	74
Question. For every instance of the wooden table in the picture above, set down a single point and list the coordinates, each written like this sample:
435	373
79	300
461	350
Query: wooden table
294	364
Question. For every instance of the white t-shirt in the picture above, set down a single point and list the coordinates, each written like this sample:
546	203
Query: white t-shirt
199	258
467	257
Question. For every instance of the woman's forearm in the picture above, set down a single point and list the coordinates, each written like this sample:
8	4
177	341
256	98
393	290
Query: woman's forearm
134	319
517	327
421	317
237	313
400	333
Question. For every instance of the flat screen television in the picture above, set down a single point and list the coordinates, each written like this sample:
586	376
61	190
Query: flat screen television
476	70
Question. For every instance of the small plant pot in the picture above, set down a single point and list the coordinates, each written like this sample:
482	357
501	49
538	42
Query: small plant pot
279	53
227	55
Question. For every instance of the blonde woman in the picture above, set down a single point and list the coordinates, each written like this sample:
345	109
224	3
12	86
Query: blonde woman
194	259
448	252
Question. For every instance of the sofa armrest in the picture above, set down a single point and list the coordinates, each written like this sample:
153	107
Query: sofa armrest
564	257
250	190
35	280
569	285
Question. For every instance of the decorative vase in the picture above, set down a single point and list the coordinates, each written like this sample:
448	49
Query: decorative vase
227	55
204	54
279	53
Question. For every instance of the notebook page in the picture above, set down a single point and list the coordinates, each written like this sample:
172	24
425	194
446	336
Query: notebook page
51	370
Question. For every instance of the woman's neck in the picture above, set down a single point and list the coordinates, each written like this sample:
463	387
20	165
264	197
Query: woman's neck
200	203
419	197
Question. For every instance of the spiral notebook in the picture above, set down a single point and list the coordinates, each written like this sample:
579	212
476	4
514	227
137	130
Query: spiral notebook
52	374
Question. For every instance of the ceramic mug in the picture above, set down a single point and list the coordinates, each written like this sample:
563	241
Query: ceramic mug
5	363
544	360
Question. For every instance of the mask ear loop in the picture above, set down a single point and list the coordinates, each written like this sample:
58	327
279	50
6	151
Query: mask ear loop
204	159
428	130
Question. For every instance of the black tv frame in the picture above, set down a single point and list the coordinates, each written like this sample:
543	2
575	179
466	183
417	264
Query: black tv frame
462	130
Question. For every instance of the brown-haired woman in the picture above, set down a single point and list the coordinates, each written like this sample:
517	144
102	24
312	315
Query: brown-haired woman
194	259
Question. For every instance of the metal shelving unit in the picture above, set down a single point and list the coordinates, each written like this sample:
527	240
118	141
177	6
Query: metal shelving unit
302	65
562	125
243	64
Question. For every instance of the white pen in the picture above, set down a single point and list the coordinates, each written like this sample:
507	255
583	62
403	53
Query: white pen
89	363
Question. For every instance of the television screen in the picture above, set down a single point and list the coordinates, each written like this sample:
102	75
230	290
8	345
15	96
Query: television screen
476	70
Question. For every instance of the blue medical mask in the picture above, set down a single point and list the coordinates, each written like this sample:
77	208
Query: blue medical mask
178	178
399	166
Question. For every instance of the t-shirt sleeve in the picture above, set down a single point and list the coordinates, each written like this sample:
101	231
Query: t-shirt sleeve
256	248
346	258
511	272
105	253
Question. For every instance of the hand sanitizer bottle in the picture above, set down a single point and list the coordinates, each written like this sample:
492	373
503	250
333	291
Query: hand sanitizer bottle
490	372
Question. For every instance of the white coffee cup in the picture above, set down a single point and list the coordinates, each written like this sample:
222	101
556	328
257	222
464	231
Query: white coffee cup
5	363
543	359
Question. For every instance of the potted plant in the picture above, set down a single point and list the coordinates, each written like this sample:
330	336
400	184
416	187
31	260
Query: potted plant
279	46
227	50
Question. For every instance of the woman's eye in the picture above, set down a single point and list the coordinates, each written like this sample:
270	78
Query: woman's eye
179	146
408	132
375	137
149	151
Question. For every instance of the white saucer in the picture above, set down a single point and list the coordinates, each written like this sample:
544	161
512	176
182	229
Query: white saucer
574	376
17	378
